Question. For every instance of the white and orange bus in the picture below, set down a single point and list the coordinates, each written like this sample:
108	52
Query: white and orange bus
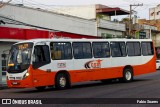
60	62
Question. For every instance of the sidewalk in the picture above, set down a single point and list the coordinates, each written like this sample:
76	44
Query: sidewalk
3	85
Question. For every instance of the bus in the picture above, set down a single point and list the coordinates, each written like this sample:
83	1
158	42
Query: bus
41	63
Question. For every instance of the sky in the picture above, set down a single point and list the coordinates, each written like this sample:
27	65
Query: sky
142	11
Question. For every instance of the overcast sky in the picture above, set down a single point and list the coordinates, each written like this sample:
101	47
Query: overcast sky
143	11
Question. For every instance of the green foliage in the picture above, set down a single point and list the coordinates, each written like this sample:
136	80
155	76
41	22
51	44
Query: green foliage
125	20
99	16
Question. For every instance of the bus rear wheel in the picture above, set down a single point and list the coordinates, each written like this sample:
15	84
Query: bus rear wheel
127	75
62	81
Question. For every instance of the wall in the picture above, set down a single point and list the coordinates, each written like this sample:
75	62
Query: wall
85	11
112	32
156	39
111	25
154	13
50	20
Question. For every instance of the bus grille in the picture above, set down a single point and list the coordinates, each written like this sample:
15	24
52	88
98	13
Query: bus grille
11	78
18	78
15	78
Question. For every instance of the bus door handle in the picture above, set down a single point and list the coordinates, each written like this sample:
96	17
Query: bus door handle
48	70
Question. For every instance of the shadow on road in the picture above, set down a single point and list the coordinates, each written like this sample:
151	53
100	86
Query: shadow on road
83	85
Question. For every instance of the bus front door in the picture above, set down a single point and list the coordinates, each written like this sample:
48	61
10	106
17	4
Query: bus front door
41	71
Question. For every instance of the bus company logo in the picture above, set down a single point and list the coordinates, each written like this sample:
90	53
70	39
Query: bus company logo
21	101
61	65
93	64
6	101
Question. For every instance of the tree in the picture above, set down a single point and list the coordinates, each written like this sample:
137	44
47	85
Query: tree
124	20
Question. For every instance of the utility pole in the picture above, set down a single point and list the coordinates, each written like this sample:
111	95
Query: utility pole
130	16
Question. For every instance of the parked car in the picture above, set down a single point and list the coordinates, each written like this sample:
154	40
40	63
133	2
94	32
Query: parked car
157	64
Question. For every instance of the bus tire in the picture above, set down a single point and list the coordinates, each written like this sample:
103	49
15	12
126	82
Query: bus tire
41	88
127	75
62	81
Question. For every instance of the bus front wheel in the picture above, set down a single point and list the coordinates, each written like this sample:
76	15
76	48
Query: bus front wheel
62	81
127	75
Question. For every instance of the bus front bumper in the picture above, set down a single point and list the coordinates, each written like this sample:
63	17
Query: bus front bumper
19	84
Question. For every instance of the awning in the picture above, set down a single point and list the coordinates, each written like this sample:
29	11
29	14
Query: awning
112	11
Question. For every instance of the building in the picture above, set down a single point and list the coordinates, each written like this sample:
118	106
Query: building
101	14
154	13
153	27
48	20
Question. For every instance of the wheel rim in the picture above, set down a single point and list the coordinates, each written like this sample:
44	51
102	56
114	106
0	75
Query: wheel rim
128	75
62	81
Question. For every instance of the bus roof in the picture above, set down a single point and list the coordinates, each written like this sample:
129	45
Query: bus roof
79	40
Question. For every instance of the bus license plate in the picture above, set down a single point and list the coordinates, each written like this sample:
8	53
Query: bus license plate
14	83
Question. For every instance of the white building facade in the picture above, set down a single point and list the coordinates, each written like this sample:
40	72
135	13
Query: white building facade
51	20
154	13
101	14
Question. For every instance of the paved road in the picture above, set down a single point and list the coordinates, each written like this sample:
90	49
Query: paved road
145	86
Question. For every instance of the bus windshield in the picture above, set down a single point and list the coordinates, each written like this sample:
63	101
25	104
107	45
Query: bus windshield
20	57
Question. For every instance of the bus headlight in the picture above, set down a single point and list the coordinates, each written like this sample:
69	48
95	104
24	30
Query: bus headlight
25	75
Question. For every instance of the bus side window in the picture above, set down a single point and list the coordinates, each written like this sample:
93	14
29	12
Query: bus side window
133	49
82	50
52	54
58	54
118	49
147	48
101	49
41	53
60	50
41	56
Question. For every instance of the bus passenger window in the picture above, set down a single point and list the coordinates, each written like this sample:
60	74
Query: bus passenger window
58	55
133	49
82	50
60	50
101	49
118	49
147	48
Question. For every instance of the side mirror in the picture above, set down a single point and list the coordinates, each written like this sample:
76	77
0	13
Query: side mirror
34	61
33	58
